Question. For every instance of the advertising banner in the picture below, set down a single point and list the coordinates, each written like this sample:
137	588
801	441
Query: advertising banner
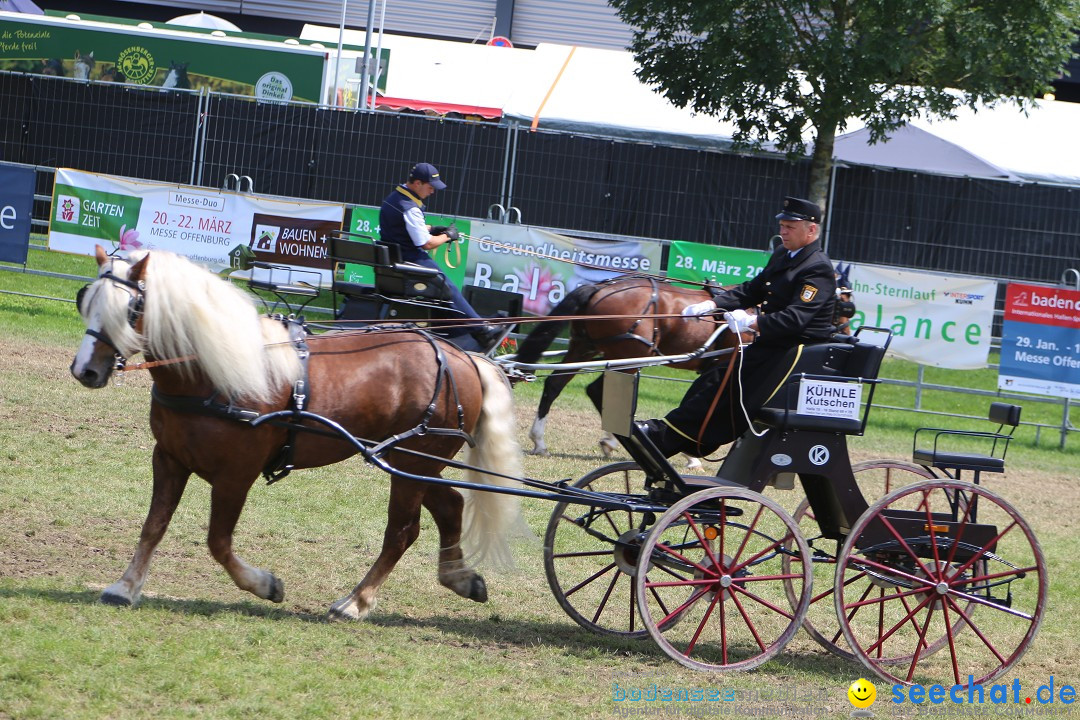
161	57
936	320
543	267
726	266
16	204
215	228
450	257
1040	341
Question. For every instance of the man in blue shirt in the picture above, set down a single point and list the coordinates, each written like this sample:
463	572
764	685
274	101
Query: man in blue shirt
402	223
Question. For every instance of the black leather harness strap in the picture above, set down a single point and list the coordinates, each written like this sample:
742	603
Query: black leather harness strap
650	309
282	464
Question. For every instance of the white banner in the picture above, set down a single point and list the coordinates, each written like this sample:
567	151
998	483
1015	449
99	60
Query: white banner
543	267
215	228
937	320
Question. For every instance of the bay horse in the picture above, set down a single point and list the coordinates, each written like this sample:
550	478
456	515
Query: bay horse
647	322
216	364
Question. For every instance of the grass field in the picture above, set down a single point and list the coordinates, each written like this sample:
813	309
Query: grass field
74	489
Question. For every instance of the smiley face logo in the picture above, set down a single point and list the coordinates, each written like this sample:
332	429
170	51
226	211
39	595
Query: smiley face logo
862	693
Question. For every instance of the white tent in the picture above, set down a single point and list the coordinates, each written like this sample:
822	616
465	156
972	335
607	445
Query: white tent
911	148
203	20
593	90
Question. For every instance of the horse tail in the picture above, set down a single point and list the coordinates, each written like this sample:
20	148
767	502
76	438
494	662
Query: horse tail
540	339
492	518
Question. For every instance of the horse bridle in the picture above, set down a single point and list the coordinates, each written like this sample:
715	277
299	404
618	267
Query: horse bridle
136	304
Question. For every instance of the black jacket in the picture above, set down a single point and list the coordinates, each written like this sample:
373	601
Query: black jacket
796	297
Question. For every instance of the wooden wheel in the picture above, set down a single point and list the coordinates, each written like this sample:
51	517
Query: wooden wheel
590	554
955	562
876	479
715	597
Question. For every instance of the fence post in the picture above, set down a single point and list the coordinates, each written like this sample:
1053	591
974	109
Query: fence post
918	387
1064	422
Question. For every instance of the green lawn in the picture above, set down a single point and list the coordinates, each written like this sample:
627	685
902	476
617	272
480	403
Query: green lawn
74	491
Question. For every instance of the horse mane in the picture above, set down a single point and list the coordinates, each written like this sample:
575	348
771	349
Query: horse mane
191	311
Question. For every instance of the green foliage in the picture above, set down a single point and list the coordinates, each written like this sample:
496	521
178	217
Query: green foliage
774	69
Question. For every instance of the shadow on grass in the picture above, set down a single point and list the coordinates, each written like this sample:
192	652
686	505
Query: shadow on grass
201	608
581	643
507	633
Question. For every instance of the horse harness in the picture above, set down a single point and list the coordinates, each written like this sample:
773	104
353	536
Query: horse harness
649	309
135	310
282	462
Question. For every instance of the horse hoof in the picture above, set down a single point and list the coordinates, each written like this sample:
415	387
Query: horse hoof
347	609
607	449
542	451
277	589
478	590
109	598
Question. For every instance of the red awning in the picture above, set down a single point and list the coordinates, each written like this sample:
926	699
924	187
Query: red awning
441	108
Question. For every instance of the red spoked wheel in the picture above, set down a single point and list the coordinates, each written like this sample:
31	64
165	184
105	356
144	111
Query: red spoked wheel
716	598
876	478
591	553
940	560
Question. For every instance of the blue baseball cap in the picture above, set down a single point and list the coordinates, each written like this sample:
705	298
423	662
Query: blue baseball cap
426	172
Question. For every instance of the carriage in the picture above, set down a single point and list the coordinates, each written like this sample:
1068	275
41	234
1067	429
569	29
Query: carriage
908	567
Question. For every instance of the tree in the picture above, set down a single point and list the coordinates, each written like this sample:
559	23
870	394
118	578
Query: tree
777	68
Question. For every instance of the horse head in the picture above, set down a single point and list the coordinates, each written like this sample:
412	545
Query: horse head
111	307
52	66
177	76
113	74
83	65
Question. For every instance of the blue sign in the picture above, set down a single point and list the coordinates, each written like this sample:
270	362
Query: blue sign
16	204
1040	341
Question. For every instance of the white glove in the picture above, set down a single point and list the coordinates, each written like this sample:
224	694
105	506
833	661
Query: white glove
705	306
741	318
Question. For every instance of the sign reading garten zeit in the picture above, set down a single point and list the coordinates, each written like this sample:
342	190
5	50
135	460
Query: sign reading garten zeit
1040	341
211	227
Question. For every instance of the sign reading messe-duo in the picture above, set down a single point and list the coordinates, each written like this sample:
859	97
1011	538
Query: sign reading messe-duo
1040	343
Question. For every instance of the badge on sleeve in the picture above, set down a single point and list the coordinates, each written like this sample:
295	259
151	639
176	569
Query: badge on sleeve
809	292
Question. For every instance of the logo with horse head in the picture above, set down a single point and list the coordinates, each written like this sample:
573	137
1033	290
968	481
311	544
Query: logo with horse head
137	64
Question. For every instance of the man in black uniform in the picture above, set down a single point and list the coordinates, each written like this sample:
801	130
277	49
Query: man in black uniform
796	296
402	223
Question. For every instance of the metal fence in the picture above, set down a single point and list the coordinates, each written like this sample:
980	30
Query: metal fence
588	185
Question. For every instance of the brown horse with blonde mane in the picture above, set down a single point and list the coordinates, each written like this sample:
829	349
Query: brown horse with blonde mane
217	366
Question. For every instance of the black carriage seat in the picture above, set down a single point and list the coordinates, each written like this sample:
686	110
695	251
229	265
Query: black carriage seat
853	361
392	276
951	458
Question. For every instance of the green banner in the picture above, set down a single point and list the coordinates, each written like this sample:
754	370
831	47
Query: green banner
450	257
161	57
94	214
697	263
